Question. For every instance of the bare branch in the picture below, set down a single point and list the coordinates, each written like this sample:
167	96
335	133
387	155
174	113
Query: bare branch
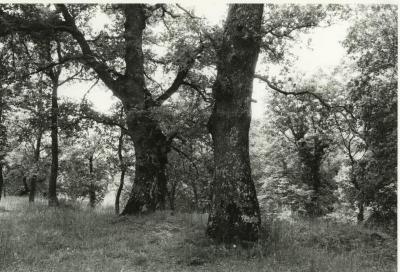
190	14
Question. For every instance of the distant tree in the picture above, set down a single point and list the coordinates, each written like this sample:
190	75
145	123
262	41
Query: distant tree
306	125
84	171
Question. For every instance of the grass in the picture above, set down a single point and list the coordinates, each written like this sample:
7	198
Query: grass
38	238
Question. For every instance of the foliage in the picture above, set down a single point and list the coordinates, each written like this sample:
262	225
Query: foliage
372	44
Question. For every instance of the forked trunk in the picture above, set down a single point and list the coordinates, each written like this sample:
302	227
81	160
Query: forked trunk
235	213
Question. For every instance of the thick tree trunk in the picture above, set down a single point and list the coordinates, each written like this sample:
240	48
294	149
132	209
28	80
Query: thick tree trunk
151	147
235	213
53	200
92	189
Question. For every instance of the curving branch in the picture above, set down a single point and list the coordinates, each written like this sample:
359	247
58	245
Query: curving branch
279	90
89	57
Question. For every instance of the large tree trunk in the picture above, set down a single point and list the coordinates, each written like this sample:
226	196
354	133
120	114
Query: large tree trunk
235	212
53	201
151	147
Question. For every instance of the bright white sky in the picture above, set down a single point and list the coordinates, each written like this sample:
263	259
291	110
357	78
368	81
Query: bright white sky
324	52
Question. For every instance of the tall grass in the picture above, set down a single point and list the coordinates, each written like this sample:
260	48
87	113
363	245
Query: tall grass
73	238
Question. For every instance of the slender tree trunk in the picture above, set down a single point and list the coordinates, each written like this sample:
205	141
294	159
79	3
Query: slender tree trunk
1	179
172	197
32	189
3	140
360	214
92	189
26	187
235	213
123	170
36	155
53	200
119	191
33	180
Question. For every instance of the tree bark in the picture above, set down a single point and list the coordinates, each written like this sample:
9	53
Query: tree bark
312	157
151	145
33	180
32	190
92	189
26	187
3	140
360	214
1	179
235	213
151	148
123	170
53	200
119	191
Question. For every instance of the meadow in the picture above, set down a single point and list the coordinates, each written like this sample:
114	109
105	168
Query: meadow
75	238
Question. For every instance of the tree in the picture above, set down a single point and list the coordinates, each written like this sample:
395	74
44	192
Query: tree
84	171
128	83
372	43
306	125
3	137
235	211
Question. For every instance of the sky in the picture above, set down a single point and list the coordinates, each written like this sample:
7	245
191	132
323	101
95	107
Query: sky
323	52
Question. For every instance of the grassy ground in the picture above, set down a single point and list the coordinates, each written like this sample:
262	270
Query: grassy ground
37	238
